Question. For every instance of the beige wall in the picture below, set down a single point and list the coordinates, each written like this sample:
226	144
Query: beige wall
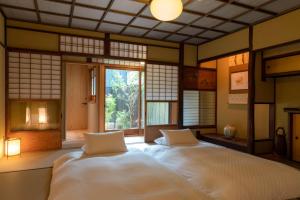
282	50
18	38
190	55
281	65
163	54
227	44
279	30
45	37
2	86
287	95
235	115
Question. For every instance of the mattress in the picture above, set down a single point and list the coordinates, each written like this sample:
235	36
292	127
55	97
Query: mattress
227	174
128	176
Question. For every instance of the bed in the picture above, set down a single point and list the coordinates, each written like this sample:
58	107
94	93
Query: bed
131	175
227	174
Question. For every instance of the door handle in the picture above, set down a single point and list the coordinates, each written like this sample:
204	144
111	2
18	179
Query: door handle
296	137
84	103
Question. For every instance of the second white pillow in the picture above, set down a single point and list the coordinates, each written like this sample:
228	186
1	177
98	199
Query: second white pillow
181	136
99	143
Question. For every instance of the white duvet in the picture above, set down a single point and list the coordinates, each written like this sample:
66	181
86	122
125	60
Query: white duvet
226	174
127	176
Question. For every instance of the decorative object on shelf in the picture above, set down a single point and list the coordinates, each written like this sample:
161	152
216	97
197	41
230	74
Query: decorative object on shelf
12	147
280	144
229	131
166	10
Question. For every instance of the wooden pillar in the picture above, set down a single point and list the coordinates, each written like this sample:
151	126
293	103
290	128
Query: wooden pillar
251	93
180	86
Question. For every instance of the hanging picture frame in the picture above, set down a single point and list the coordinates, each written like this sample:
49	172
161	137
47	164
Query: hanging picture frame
238	79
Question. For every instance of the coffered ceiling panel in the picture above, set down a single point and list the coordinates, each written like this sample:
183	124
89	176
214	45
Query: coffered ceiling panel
142	22
84	24
21	3
20	14
201	20
252	2
253	16
229	11
203	6
211	34
135	31
229	27
177	38
112	28
166	26
87	12
157	34
186	18
282	5
208	22
190	30
127	6
117	18
54	19
55	7
97	3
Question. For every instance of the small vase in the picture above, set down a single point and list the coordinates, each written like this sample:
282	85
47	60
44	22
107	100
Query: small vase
229	131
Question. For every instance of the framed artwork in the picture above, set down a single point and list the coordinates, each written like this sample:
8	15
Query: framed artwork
238	79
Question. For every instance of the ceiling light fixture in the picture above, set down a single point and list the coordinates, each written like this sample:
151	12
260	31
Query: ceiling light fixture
166	10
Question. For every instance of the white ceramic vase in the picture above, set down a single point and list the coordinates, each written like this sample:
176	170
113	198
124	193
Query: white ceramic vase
229	131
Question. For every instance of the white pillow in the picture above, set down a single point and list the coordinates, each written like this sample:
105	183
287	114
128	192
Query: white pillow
182	136
110	142
160	141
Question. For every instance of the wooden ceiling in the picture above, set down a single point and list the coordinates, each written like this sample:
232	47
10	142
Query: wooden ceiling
200	22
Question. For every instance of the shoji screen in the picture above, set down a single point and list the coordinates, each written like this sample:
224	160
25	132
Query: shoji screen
34	76
190	108
121	49
199	108
75	44
207	107
161	82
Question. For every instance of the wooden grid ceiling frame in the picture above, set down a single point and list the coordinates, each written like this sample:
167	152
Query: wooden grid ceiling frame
198	38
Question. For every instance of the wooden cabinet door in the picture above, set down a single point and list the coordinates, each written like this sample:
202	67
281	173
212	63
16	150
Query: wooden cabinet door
296	137
190	78
207	79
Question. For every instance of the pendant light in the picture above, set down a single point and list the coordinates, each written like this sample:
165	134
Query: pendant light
166	10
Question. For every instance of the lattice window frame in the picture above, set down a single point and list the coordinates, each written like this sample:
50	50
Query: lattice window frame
81	45
34	76
162	82
128	50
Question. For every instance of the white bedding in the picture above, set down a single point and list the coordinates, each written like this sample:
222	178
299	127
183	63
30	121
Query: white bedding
127	176
226	174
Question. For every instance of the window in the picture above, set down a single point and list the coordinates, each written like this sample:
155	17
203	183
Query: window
123	99
75	44
93	84
121	49
199	108
161	113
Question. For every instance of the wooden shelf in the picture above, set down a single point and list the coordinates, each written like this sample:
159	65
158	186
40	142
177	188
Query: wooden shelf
234	143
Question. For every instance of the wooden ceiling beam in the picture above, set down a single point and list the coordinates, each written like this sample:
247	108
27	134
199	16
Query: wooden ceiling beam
71	13
104	14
